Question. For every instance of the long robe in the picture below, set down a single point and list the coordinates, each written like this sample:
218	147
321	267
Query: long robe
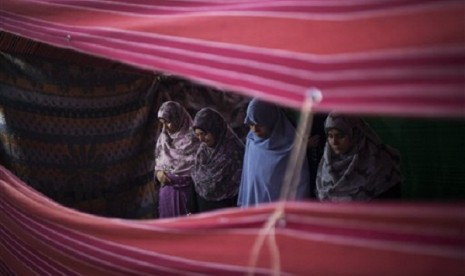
266	159
175	155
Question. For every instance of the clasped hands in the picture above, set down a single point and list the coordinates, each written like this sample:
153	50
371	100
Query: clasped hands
163	178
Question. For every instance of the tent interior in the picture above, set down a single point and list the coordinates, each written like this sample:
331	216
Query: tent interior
81	129
78	132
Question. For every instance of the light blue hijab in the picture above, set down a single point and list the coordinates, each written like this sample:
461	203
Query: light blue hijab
265	159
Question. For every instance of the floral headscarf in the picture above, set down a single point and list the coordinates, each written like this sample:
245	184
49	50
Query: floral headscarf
367	170
217	170
175	153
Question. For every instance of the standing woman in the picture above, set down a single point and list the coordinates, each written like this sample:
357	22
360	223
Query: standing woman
356	165
268	148
174	159
218	165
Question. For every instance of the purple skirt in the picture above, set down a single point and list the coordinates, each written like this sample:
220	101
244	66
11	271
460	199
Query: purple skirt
176	199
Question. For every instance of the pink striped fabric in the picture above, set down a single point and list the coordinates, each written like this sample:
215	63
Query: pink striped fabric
364	56
39	236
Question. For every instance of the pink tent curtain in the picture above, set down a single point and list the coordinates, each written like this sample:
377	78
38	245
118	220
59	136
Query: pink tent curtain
391	57
39	236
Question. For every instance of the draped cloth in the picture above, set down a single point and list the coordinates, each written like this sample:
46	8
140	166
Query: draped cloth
39	236
81	132
265	159
175	153
372	56
217	170
366	171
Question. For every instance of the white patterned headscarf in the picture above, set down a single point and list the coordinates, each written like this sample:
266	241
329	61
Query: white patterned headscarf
175	153
366	171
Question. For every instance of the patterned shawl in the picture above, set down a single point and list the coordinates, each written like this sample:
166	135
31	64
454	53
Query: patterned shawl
369	169
217	170
175	152
265	159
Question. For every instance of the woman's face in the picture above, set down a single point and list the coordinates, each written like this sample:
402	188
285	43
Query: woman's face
205	137
169	126
260	131
339	142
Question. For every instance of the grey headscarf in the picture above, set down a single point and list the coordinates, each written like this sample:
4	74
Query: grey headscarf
367	170
217	170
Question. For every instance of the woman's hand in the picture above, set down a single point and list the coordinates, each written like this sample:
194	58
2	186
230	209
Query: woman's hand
163	178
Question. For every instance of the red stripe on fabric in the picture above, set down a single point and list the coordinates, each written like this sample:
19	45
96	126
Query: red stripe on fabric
297	81
414	64
168	8
453	243
381	259
297	235
333	37
5	269
360	233
304	81
29	260
77	249
276	85
393	110
289	59
106	255
32	256
285	96
289	77
78	260
407	100
453	105
416	212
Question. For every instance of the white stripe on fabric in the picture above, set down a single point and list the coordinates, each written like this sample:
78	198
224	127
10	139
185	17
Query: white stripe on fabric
284	85
232	82
379	226
92	48
45	266
411	248
392	210
205	264
120	256
393	72
434	250
338	58
17	255
47	242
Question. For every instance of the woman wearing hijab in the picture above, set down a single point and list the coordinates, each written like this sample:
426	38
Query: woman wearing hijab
218	164
174	159
268	148
356	165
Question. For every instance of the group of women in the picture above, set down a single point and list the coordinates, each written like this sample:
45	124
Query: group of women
202	165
